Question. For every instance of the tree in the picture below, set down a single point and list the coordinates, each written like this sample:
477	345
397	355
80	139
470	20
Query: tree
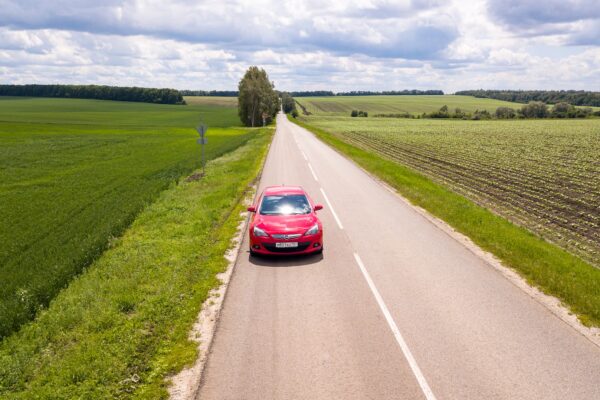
287	103
257	97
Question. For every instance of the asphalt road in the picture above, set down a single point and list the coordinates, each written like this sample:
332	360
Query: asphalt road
394	309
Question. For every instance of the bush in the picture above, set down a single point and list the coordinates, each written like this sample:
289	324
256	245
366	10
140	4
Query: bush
505	113
354	113
584	112
458	113
483	114
441	113
535	109
287	103
394	115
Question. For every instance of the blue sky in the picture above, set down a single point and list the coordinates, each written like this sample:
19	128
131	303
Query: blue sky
304	45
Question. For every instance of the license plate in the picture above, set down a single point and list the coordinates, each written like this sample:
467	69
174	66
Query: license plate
282	245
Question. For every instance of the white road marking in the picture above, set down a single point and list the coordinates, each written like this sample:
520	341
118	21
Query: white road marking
392	324
332	210
312	171
304	155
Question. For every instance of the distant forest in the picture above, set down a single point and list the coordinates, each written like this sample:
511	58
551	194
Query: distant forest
324	93
574	97
392	93
137	94
220	93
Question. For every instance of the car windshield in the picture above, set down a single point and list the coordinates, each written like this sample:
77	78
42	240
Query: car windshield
291	204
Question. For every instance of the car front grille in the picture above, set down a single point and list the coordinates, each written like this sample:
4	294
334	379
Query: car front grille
286	236
301	247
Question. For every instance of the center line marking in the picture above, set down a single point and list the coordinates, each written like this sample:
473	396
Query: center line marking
313	172
332	210
304	155
392	324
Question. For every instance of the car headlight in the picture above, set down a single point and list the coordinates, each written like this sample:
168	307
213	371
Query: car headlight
313	230
259	232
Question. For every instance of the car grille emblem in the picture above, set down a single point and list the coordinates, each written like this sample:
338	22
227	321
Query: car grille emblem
286	237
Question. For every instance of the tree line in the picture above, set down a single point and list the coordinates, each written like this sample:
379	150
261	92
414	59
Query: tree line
137	94
327	93
220	93
532	110
313	93
412	92
574	97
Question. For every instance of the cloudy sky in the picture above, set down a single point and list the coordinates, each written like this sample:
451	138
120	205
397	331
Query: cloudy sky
304	45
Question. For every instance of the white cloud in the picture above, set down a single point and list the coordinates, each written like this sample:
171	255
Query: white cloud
337	45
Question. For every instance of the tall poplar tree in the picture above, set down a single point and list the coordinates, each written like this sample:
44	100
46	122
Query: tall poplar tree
257	96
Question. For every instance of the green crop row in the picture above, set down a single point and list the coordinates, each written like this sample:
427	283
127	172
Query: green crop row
343	105
75	173
543	175
401	106
122	327
544	265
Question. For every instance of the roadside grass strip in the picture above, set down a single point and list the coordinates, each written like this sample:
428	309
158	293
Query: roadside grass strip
544	265
120	328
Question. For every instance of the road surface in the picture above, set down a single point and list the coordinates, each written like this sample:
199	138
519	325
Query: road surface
395	309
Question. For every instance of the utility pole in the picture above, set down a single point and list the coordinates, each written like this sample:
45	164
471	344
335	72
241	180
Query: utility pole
201	129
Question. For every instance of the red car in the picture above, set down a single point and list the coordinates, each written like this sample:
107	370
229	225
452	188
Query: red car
285	222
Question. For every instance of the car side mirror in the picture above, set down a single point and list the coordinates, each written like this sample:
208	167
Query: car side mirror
318	207
252	209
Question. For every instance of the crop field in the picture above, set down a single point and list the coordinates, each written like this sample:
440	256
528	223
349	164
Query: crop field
542	174
75	173
397	104
131	311
221	101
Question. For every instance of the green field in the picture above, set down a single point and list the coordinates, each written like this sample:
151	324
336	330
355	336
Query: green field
541	174
417	164
397	104
221	101
120	329
75	173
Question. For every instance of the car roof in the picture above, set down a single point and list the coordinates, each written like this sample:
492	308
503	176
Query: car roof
283	190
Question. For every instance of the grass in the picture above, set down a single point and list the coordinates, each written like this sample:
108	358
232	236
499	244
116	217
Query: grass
544	265
113	113
343	105
121	327
75	173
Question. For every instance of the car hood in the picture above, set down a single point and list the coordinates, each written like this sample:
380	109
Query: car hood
285	223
